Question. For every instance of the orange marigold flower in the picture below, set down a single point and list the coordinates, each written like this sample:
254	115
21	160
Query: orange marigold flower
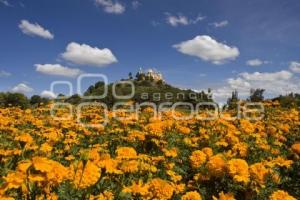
55	172
85	175
238	170
6	198
259	172
14	180
208	151
222	196
126	152
170	152
296	148
36	177
46	148
137	188
281	195
280	161
174	177
216	165
136	135
106	195
191	196
197	158
183	129
247	126
160	189
241	149
129	166
42	164
24	165
110	166
26	138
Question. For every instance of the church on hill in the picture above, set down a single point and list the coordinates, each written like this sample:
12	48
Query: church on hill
150	74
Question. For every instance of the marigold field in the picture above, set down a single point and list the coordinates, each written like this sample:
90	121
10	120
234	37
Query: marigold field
43	158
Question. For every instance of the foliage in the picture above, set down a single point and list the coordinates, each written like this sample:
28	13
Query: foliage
233	101
14	99
38	100
257	95
147	91
289	101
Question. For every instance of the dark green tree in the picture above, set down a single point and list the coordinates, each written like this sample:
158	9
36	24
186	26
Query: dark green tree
15	99
130	76
74	99
256	95
233	100
37	100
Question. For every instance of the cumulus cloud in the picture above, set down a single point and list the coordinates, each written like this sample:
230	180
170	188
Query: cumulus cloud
295	66
208	49
238	83
22	88
275	83
111	7
176	20
84	54
267	76
220	95
48	94
35	30
220	24
256	62
4	73
57	69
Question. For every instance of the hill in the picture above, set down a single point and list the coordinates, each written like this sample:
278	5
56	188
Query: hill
147	91
148	88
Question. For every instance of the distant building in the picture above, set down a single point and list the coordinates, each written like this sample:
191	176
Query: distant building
151	74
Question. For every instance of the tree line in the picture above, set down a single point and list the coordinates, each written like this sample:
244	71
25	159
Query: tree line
8	99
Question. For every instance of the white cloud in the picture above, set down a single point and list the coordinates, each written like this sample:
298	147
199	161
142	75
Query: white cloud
22	88
48	94
198	19
275	83
57	69
35	30
111	7
5	2
4	73
208	49
155	23
220	95
256	62
135	4
238	83
267	76
295	66
176	20
84	54
220	24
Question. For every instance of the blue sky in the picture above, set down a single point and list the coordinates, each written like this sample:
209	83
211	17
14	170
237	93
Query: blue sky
198	44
